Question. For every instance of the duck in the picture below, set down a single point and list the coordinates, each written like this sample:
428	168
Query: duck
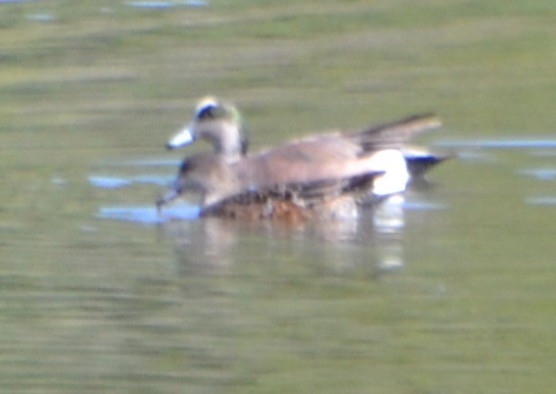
221	124
291	183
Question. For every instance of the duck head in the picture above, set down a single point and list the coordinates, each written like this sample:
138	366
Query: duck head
217	122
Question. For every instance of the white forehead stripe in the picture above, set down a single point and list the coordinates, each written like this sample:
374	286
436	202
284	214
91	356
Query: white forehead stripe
205	103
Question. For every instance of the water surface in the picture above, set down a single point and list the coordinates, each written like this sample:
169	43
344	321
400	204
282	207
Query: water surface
450	291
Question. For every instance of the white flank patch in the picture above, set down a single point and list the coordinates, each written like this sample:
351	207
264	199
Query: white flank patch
396	175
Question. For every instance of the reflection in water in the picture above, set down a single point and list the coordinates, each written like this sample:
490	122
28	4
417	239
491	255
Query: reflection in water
388	219
203	247
373	243
388	216
212	246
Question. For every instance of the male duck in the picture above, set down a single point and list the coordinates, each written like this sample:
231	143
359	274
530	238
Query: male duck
311	175
220	123
217	122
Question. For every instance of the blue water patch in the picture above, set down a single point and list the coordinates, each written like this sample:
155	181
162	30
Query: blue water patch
422	206
108	182
41	17
167	4
474	155
512	143
544	174
114	182
541	200
149	214
145	163
58	181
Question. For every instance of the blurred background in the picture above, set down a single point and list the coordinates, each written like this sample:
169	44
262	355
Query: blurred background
450	292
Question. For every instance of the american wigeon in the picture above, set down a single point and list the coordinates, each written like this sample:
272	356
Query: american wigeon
291	185
220	123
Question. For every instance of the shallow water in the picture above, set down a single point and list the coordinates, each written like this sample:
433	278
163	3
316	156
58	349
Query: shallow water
449	291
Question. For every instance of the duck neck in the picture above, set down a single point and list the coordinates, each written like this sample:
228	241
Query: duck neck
229	141
221	182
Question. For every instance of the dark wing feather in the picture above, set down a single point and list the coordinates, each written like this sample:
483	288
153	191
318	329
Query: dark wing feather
394	134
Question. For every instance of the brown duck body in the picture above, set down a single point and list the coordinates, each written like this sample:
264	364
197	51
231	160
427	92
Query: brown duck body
269	186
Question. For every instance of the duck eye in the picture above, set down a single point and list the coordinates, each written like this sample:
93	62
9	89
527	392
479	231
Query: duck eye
206	112
211	112
186	165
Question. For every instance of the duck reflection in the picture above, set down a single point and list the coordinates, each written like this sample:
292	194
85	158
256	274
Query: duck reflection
371	244
203	247
389	223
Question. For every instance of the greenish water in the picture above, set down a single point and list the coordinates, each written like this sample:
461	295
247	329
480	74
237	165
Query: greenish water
452	292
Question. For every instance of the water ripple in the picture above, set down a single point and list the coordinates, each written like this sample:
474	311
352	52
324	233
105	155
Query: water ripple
148	214
511	143
114	182
545	174
158	4
547	200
